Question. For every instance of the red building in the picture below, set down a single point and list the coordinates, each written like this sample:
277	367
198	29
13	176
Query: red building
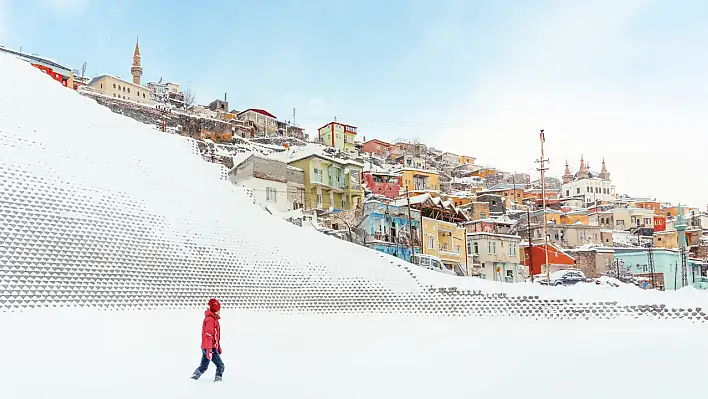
386	184
377	147
56	71
556	258
659	223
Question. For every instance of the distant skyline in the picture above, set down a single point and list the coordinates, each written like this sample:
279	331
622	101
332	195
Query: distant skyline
624	80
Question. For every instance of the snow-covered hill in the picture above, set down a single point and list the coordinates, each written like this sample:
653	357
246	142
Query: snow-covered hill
102	213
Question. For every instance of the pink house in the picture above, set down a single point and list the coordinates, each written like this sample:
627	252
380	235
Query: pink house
377	147
386	184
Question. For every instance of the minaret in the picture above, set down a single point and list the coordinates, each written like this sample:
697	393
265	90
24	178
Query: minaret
583	172
567	176
136	70
604	175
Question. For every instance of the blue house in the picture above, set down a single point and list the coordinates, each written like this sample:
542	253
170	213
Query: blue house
667	266
388	228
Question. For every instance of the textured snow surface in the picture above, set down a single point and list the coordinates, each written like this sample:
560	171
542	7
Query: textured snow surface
81	353
106	223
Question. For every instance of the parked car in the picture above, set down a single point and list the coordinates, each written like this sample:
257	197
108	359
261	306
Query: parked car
432	263
562	277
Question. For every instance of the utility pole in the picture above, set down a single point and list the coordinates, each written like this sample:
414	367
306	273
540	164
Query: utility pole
410	224
650	254
528	220
543	170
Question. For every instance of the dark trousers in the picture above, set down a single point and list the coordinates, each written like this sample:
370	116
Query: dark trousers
216	358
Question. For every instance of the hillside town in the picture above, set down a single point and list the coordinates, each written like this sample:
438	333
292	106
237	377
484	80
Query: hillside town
418	203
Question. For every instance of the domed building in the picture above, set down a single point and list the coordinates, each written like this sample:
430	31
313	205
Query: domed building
587	185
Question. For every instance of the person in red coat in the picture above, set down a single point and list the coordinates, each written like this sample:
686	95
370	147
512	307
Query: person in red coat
211	341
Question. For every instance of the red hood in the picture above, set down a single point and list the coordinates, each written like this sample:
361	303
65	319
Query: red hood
208	313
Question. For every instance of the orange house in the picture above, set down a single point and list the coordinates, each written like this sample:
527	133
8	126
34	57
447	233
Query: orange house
535	257
653	205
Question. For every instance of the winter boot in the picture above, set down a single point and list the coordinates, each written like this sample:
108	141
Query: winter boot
196	374
217	378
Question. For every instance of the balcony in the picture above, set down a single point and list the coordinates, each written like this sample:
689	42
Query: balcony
332	182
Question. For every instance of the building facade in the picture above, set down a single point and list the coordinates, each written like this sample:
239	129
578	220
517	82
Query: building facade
413	179
445	240
382	183
263	122
377	147
389	227
534	257
338	135
587	185
111	86
330	182
275	185
497	256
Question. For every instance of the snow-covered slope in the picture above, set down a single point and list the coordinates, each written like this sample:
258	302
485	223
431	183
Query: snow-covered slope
104	213
99	210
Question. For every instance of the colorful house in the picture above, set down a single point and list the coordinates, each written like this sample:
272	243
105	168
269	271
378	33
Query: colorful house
465	160
330	182
534	257
495	257
655	206
668	272
445	240
338	135
377	147
383	183
414	179
659	223
388	229
441	234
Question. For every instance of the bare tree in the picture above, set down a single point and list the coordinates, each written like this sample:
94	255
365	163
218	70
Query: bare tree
189	95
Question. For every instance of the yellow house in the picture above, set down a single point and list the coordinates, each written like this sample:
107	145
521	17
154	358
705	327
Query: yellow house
465	160
445	240
338	135
414	179
330	182
581	217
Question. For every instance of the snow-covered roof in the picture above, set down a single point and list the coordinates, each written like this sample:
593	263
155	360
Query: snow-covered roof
484	233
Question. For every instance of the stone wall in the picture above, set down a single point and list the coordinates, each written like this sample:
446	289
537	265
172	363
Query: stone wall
187	125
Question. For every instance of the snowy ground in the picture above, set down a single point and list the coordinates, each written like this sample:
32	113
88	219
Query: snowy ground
108	212
72	353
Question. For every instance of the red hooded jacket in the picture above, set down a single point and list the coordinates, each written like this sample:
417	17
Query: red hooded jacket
211	331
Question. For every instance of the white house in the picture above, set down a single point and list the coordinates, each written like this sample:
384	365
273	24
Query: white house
496	256
276	186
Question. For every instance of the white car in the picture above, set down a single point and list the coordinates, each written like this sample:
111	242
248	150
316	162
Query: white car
432	263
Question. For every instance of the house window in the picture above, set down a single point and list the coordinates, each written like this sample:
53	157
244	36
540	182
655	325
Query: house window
128	90
270	194
512	249
476	247
143	95
114	94
578	190
458	249
344	203
101	85
319	199
492	247
114	85
431	243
